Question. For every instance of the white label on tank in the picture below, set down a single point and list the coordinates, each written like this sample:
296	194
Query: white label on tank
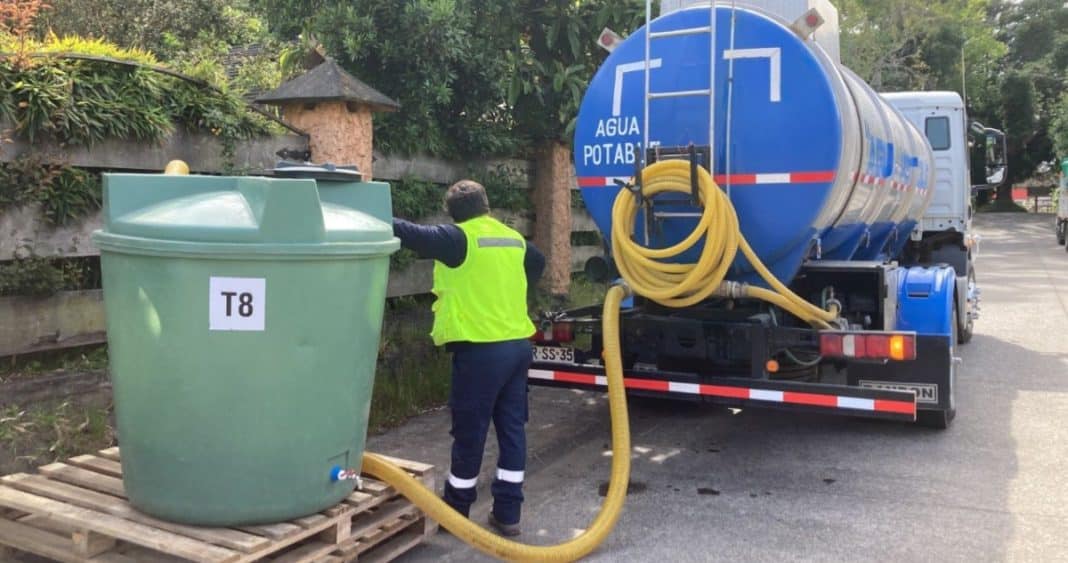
237	303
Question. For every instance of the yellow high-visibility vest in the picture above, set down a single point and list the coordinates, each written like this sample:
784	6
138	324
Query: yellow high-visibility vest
485	298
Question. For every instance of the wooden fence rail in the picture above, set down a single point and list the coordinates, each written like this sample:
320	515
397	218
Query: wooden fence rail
76	318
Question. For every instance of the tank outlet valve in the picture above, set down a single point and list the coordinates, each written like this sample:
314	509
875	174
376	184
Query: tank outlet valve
339	474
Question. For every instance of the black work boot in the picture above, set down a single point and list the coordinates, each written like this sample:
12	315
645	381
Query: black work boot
506	530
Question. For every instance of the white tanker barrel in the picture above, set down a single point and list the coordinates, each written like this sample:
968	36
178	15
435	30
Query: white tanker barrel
818	163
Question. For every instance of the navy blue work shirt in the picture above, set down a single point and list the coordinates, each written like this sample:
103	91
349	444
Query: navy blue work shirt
447	244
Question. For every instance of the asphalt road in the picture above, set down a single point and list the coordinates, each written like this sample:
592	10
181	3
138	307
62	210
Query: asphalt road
759	485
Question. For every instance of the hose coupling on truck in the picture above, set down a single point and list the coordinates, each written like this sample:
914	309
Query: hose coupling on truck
622	284
732	290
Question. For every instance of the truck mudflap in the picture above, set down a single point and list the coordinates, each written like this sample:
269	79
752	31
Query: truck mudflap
893	404
931	376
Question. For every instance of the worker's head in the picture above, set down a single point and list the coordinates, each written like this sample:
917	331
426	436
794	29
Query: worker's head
465	200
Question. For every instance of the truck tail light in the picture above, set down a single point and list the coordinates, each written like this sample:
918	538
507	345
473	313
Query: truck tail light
868	345
555	333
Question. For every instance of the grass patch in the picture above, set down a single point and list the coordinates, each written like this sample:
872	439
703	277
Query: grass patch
413	375
85	358
583	292
46	432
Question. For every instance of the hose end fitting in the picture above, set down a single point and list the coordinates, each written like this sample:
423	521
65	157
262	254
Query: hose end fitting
627	291
731	290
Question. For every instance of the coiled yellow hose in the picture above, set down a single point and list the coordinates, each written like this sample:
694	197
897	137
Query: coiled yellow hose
682	285
674	285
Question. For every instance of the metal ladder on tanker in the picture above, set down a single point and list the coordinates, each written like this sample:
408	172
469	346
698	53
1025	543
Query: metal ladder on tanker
709	92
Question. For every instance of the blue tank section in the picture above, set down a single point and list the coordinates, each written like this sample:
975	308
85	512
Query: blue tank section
811	169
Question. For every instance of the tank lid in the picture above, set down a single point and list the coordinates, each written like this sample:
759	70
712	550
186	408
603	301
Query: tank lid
219	214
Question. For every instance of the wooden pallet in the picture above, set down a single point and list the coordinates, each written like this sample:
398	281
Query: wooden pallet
77	512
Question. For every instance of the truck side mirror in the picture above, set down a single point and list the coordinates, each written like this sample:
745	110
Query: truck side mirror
996	156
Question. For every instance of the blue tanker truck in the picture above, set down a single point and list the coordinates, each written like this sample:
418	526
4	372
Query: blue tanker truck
858	202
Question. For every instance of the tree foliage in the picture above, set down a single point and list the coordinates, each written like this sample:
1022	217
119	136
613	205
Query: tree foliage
1036	32
913	45
1008	56
1059	129
482	77
552	56
474	77
425	55
192	36
152	25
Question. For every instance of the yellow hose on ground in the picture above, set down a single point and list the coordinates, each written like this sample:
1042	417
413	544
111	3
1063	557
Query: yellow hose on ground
602	525
673	285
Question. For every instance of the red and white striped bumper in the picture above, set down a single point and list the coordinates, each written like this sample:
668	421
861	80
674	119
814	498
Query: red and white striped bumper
876	403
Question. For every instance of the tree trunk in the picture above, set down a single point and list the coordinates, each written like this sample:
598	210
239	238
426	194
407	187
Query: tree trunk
552	208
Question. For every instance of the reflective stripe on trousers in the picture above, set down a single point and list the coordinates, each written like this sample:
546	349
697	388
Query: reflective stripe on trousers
489	384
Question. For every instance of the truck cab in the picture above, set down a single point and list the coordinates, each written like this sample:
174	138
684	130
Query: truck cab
940	116
944	234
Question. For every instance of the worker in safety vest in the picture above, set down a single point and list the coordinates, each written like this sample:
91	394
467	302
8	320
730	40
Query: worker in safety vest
482	270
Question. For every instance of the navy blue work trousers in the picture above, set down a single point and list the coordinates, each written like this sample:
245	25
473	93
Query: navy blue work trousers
489	383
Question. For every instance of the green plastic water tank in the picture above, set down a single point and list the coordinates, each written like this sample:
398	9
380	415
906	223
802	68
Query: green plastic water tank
243	319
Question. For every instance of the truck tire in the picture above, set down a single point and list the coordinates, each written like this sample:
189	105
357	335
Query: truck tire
941	419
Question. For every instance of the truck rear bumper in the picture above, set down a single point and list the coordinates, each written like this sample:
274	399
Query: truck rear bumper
813	397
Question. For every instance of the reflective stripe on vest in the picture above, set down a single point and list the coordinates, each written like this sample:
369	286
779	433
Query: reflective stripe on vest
485	298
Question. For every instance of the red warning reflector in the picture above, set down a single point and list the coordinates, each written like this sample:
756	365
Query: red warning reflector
608	40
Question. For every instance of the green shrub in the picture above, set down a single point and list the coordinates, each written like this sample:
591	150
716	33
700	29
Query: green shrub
20	177
42	277
33	277
502	188
65	193
71	195
82	102
93	47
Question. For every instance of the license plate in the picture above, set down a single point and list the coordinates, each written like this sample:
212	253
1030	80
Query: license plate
557	354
